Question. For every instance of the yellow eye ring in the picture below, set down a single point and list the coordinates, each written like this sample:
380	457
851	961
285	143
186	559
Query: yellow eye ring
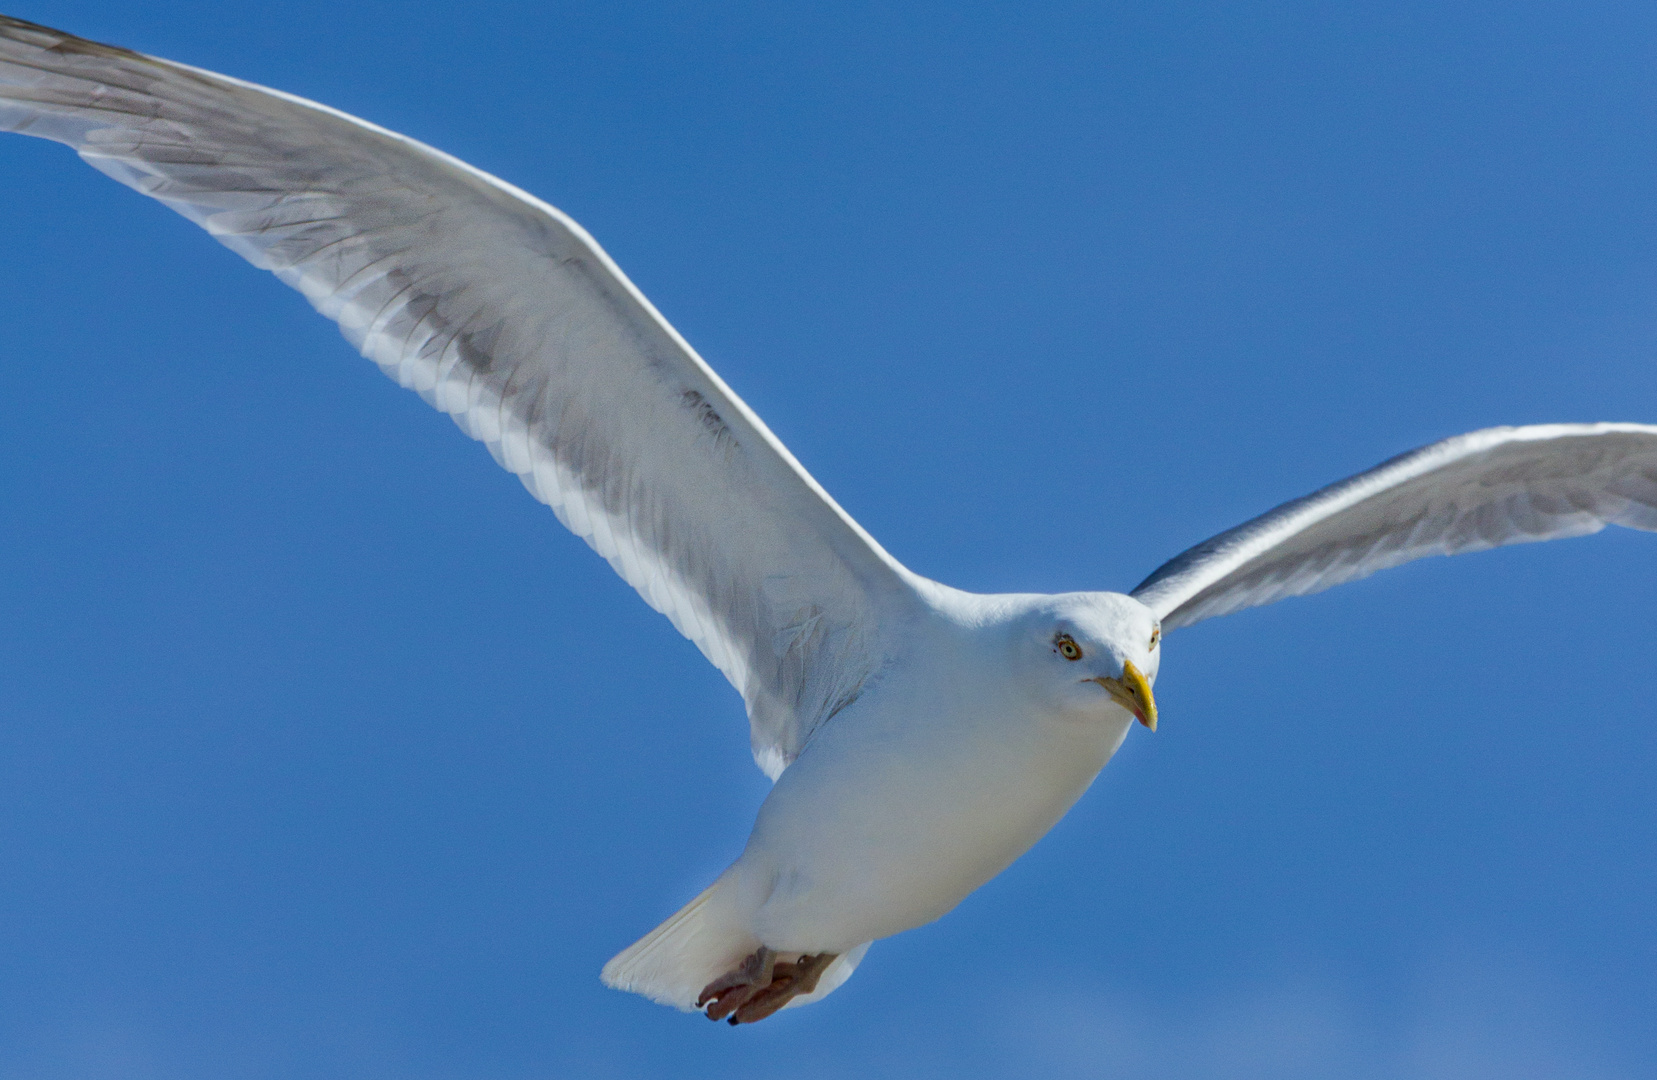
1156	636
1068	647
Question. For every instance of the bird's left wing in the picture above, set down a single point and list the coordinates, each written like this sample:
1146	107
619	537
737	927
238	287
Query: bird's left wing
1508	485
505	314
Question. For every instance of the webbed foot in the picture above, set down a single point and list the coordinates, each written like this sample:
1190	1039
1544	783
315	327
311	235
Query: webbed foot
762	985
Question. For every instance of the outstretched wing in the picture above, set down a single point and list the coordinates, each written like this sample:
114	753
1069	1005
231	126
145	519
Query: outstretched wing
505	314
1507	485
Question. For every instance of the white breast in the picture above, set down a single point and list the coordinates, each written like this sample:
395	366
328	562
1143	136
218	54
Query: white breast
921	791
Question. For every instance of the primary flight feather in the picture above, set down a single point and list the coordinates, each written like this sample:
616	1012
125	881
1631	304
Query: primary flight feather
921	738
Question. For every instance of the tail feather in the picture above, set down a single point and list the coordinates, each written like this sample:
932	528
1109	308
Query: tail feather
705	939
671	964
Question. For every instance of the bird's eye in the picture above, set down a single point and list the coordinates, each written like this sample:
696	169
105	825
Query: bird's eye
1156	636
1068	647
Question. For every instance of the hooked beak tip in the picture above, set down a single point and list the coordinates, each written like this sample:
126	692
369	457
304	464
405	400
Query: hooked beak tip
1133	692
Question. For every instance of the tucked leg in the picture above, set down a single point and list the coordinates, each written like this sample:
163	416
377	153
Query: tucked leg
727	993
788	981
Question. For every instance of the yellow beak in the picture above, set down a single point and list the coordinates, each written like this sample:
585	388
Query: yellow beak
1133	693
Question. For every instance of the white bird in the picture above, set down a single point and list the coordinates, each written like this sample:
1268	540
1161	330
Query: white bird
921	738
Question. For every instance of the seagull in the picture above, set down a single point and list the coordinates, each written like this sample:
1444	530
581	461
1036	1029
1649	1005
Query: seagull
919	738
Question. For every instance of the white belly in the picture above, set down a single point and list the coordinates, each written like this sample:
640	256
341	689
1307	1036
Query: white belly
890	818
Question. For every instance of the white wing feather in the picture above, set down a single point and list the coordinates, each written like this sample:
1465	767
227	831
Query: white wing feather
1508	485
505	314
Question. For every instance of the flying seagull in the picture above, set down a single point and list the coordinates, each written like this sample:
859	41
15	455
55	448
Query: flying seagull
920	737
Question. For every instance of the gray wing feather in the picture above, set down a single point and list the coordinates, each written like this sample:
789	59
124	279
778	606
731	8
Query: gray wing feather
1507	485
505	314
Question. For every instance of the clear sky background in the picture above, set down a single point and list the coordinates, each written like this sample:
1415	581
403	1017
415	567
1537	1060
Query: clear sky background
326	752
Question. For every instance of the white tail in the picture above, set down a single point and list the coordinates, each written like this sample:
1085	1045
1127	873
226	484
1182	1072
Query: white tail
707	938
671	964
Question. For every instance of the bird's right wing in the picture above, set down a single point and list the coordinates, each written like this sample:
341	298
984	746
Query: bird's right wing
1508	485
506	315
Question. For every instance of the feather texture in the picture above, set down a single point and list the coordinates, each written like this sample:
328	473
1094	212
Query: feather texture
1507	485
502	312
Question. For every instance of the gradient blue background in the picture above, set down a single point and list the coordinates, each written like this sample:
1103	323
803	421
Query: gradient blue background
326	752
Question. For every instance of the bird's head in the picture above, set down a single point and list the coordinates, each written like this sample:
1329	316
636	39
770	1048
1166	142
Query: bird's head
1094	650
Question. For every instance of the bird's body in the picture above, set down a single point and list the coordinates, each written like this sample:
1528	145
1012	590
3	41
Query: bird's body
923	789
958	756
921	738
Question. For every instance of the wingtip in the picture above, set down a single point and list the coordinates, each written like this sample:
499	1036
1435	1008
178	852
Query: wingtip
61	41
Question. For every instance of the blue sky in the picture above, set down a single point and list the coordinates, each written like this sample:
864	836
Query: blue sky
325	752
